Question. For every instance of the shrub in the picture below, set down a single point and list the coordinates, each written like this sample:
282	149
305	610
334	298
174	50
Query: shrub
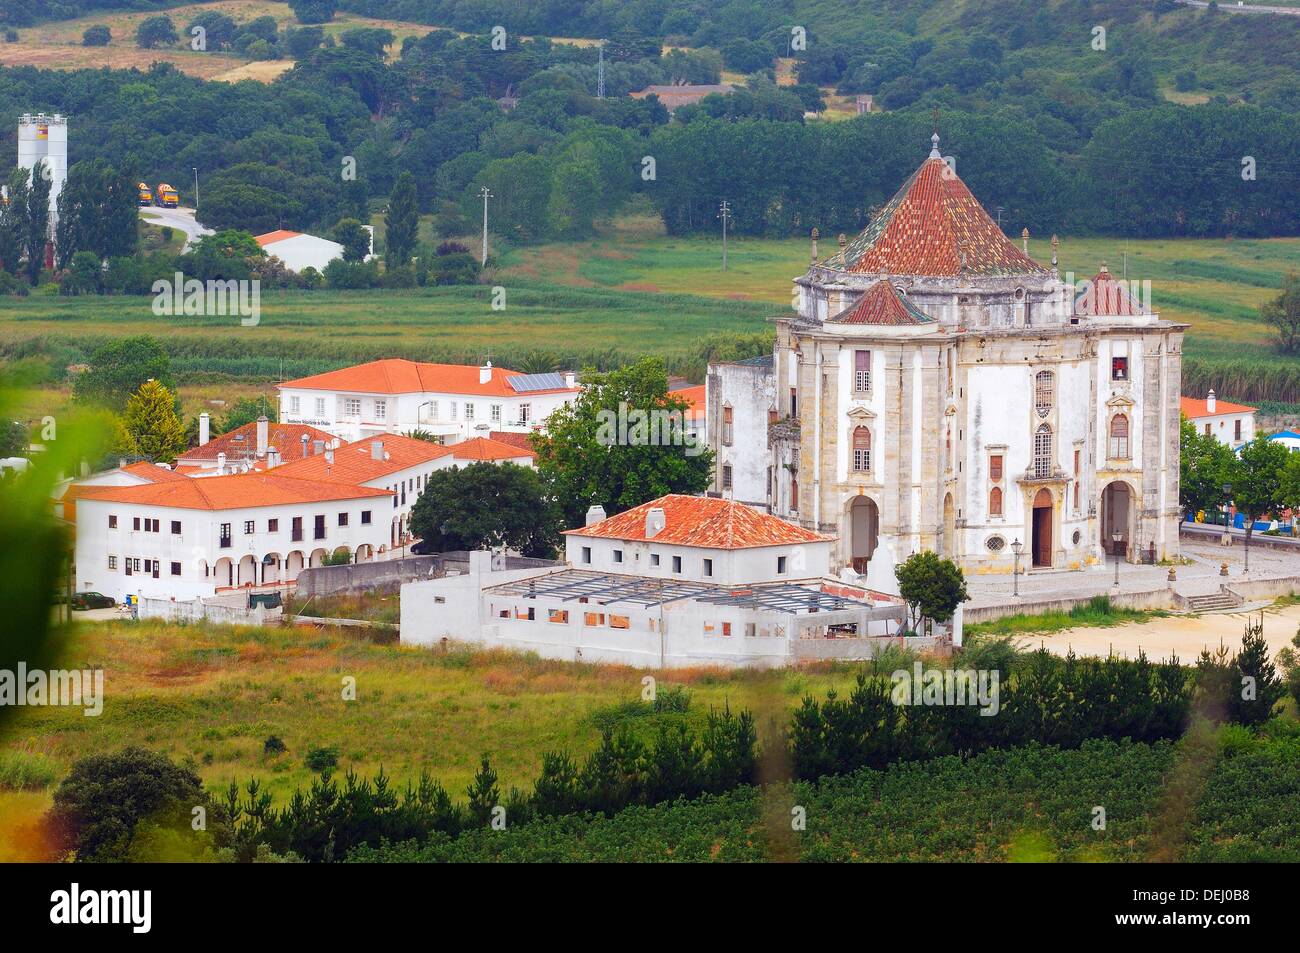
322	760
97	35
274	745
25	771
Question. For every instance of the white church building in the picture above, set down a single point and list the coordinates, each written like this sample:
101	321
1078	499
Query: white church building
938	389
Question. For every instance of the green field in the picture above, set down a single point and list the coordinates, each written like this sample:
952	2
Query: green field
215	694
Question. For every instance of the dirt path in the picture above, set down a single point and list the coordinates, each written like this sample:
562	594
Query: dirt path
1184	635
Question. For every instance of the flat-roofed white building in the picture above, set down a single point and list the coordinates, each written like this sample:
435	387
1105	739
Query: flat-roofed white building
298	250
453	402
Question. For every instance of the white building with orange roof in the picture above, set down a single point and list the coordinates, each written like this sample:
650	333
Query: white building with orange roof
186	538
452	402
936	388
679	581
1231	424
299	250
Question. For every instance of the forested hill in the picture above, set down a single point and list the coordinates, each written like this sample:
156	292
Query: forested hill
1182	123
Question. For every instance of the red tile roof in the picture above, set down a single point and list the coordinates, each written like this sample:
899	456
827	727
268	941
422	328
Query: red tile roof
933	226
703	521
399	376
482	448
354	462
1105	297
242	442
695	397
230	492
521	440
271	238
1193	407
152	472
882	305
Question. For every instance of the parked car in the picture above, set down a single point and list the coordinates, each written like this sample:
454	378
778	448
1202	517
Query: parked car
92	600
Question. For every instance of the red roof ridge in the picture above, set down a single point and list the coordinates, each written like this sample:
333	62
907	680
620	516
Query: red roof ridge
704	521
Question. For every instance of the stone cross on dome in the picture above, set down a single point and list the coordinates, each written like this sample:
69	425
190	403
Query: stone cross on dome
934	137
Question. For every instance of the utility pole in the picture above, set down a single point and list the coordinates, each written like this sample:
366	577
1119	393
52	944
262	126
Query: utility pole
600	73
486	195
196	190
724	213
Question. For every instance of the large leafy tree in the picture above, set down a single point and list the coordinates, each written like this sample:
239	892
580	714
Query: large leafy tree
1204	466
486	505
37	221
314	11
932	587
13	222
151	425
155	31
119	368
1282	314
401	222
1256	477
584	466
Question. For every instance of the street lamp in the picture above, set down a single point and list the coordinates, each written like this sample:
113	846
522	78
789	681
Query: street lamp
1117	538
1227	526
1016	548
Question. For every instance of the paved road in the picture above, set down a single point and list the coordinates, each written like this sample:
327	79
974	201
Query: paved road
181	219
1230	7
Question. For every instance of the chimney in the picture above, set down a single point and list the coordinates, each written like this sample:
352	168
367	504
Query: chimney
304	446
272	458
221	464
570	379
205	428
595	514
376	450
317	447
485	373
329	457
1210	402
655	521
263	434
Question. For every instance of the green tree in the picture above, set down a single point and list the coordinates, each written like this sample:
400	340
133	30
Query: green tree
154	32
224	255
1258	687
401	222
354	238
1204	466
107	799
97	35
13	222
1282	314
932	587
314	11
13	438
247	409
37	221
586	458
486	505
153	428
1255	473
83	275
119	368
483	794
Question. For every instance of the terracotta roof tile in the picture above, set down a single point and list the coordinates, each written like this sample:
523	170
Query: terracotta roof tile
242	442
152	472
933	226
521	440
399	376
354	462
882	305
703	521
270	238
1193	407
1104	297
482	448
695	397
230	492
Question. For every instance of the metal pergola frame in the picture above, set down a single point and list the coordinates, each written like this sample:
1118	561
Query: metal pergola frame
785	597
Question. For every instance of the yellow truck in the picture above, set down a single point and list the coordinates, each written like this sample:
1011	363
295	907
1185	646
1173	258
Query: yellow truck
146	194
166	196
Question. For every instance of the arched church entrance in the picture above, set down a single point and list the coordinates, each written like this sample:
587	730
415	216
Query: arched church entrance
1042	529
864	532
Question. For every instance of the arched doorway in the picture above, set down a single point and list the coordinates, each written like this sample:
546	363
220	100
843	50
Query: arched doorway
949	529
270	569
224	572
248	570
1117	517
293	565
1042	529
864	532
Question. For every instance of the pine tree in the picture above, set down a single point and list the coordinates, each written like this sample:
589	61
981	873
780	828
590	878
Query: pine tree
1258	687
152	423
484	795
401	222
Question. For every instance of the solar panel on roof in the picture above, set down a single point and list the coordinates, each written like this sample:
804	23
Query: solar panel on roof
526	383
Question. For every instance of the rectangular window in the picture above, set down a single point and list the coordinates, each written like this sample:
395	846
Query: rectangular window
620	622
726	476
1207	430
453	410
593	618
1076	496
343	519
862	372
297	529
381	409
495	413
726	629
618	555
176	527
1076	461
469	411
780	565
225	535
365	517
319	527
794	403
769	482
176	569
135	520
249	527
1236	426
726	426
320	406
654	559
352	407
677	564
750	630
295	405
586	555
1119	368
273	526
995	467
794	495
112	562
153	525
112	522
708	567
558	616
525	414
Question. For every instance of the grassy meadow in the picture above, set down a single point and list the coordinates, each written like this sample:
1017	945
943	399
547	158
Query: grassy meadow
215	694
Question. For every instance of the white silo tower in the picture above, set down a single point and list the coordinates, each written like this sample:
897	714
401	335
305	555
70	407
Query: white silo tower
43	138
